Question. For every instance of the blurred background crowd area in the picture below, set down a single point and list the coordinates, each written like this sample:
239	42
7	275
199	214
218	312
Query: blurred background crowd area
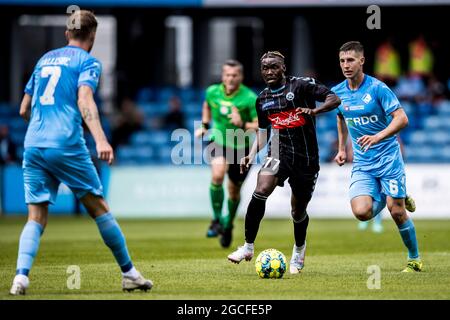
158	61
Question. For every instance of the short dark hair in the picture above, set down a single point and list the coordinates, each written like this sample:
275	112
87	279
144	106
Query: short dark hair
234	63
352	45
87	24
272	54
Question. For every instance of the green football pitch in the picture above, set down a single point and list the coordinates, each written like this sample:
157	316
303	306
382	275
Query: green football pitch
184	264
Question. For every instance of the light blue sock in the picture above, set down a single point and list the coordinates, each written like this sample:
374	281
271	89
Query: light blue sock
28	246
378	206
408	233
114	239
378	219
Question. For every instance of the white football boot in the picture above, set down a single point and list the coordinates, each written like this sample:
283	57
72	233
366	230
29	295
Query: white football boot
241	253
130	284
298	260
20	285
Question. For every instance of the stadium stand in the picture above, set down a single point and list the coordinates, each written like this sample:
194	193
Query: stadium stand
426	140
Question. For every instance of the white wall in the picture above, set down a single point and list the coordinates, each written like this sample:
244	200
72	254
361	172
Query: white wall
178	191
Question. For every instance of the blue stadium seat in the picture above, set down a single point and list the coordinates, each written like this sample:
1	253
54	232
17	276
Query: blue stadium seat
422	153
445	154
146	95
17	137
433	122
135	154
163	94
141	138
189	95
326	122
443	107
439	137
165	154
17	124
193	109
152	109
418	137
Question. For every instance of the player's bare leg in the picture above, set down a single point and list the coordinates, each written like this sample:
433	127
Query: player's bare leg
407	232
362	207
29	245
218	171
255	212
113	237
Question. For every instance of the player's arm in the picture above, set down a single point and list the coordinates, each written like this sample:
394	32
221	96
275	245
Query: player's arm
399	121
331	102
320	93
251	125
262	138
25	107
206	119
236	119
341	156
89	112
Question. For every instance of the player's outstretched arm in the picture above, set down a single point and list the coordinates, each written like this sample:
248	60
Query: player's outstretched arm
25	107
341	156
89	112
206	119
331	102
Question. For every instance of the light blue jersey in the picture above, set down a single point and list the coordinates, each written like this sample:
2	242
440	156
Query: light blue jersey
55	149
366	111
55	118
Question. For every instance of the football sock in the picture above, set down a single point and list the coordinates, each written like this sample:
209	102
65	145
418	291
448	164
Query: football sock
28	246
377	206
115	240
132	273
300	230
378	219
408	234
249	246
217	195
232	208
255	213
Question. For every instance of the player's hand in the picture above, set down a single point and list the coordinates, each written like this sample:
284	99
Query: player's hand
306	111
340	158
235	117
366	141
245	163
105	152
200	132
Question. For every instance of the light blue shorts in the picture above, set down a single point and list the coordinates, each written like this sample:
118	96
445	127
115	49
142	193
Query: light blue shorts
390	180
45	168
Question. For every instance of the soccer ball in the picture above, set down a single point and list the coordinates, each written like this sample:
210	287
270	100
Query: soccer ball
270	263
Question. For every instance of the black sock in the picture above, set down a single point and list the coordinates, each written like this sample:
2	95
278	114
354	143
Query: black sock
255	213
300	231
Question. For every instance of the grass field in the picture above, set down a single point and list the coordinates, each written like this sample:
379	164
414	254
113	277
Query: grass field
183	264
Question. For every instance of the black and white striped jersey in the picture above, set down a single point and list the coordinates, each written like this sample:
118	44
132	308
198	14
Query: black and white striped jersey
293	132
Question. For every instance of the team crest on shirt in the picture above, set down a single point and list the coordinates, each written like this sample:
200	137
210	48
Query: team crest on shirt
367	98
290	96
346	108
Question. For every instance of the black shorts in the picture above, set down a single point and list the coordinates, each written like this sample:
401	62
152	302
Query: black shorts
233	159
301	177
